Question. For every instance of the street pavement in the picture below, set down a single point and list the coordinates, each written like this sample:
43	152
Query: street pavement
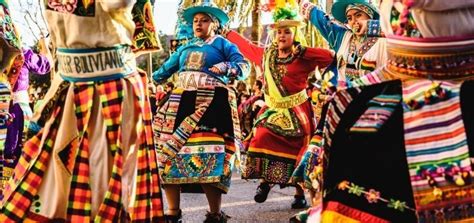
239	204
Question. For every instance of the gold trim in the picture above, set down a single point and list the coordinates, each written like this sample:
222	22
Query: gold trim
288	101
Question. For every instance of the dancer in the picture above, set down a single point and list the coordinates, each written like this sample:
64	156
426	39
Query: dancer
400	148
357	43
10	65
93	157
20	110
285	125
197	129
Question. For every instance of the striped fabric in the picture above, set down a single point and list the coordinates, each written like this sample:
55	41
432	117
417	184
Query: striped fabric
435	142
338	212
336	108
184	130
379	111
166	115
306	172
205	158
371	78
368	65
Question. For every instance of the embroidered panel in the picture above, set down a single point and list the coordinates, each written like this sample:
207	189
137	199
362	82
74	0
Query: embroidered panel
77	7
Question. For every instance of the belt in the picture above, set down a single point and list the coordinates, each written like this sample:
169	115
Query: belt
192	80
288	101
95	64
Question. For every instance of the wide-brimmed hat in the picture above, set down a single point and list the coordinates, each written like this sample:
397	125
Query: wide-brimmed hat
286	17
338	9
208	8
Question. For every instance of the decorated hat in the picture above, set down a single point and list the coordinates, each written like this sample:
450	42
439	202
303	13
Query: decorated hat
206	6
286	15
339	9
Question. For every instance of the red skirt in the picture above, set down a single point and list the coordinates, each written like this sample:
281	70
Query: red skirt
273	156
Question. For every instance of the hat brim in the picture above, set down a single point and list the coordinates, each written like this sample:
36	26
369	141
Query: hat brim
189	13
287	23
338	9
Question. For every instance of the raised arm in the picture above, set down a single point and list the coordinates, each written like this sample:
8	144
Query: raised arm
330	30
168	68
250	51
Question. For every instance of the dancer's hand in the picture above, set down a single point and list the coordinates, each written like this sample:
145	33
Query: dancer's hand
216	70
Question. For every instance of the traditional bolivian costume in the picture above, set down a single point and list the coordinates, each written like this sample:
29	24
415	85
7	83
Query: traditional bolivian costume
285	125
198	129
352	61
398	147
93	157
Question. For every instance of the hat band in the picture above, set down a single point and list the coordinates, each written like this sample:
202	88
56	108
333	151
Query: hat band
439	61
361	7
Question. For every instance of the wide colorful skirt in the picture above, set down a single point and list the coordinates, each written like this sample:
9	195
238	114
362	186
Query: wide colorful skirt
209	153
272	156
92	159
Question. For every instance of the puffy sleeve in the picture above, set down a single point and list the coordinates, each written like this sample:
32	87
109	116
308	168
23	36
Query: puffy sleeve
251	51
168	68
36	63
319	57
237	66
332	32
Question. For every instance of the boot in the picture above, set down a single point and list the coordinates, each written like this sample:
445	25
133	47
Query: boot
299	202
174	218
262	192
220	217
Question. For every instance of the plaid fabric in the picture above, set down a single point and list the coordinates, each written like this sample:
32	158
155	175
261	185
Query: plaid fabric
79	205
111	97
147	206
148	199
19	197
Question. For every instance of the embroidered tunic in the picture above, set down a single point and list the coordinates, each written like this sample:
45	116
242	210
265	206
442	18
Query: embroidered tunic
198	127
284	127
92	158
